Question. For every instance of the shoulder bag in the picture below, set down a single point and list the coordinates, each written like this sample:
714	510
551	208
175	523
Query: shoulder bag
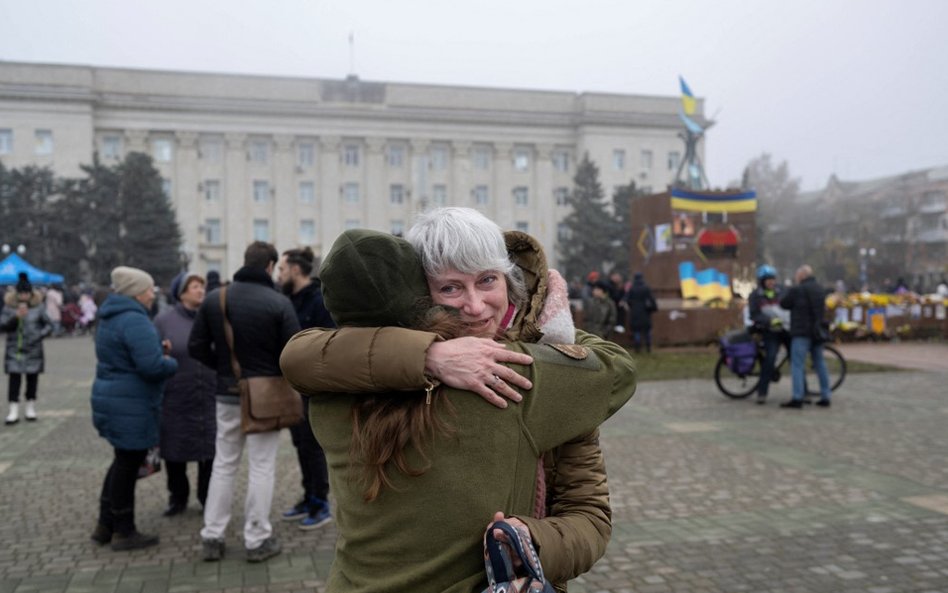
266	403
498	561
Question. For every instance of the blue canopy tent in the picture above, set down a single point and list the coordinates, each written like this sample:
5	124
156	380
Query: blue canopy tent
11	267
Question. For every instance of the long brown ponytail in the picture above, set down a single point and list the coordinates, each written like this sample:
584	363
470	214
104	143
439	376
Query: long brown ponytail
385	425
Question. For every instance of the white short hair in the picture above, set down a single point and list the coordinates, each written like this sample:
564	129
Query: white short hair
461	239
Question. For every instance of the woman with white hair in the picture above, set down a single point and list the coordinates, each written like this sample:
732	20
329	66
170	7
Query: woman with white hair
468	266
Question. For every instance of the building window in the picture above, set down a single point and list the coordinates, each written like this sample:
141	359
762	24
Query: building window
439	158
396	194
350	155
261	229
306	154
212	190
398	228
481	195
259	151
396	155
523	226
618	159
561	196
166	187
261	191
307	192
212	150
521	160
561	161
674	159
646	159
213	265
350	193
521	196
353	223
439	195
563	232
161	150
481	157
212	231
307	232
111	147
6	141
44	142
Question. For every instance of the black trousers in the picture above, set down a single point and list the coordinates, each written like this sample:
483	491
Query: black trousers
32	379
117	501
311	456
178	487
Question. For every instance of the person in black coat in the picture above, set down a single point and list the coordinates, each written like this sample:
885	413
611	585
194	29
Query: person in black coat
188	421
263	321
807	304
641	306
293	274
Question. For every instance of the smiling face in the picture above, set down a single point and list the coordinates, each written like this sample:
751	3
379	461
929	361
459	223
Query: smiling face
480	298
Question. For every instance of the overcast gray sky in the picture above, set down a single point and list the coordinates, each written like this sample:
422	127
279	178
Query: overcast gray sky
855	87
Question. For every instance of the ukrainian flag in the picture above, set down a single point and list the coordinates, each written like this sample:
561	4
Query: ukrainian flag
686	276
688	102
724	287
713	202
707	285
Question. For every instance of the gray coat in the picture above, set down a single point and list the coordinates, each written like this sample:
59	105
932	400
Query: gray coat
188	420
24	336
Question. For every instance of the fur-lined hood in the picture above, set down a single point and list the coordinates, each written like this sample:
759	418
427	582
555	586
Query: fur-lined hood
9	299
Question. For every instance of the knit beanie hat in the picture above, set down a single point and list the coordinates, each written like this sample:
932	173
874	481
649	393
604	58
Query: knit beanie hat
372	279
23	283
131	281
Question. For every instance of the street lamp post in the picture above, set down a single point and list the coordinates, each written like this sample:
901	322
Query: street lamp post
865	253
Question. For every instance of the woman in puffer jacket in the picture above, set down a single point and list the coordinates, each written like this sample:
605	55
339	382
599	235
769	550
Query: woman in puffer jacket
126	400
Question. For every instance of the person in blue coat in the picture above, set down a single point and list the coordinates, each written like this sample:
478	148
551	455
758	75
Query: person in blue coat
126	400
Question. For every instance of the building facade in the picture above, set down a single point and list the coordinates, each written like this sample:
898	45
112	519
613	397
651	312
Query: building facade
296	161
867	233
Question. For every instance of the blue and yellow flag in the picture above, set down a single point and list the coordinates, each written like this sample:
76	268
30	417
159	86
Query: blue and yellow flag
688	102
713	202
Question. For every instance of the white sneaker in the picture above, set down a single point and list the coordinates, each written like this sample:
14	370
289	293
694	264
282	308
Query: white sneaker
30	410
14	416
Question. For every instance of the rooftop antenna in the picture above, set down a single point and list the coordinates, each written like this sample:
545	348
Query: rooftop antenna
351	54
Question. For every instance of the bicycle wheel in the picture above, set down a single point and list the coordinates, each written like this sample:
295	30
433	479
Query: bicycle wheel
733	385
835	368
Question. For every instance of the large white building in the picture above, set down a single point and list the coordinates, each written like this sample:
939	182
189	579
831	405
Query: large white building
295	161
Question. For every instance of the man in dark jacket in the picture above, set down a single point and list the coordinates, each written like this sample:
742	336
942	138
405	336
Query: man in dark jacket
641	305
807	303
293	273
263	321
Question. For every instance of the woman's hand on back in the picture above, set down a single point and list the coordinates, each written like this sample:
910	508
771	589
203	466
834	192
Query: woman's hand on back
476	364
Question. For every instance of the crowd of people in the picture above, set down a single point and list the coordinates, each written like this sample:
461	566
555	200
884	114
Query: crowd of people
441	338
455	379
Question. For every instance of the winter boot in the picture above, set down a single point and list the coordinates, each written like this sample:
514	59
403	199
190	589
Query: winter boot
14	416
30	410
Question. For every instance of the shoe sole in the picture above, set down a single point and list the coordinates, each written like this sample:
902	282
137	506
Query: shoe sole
296	517
255	559
325	521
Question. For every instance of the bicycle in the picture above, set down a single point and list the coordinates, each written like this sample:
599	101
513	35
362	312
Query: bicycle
740	385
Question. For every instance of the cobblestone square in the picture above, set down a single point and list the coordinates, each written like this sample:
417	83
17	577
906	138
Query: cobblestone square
709	495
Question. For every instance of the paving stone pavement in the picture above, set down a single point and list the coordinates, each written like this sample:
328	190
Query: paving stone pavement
709	495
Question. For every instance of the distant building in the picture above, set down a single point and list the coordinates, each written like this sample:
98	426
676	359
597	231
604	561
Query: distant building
874	230
296	161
